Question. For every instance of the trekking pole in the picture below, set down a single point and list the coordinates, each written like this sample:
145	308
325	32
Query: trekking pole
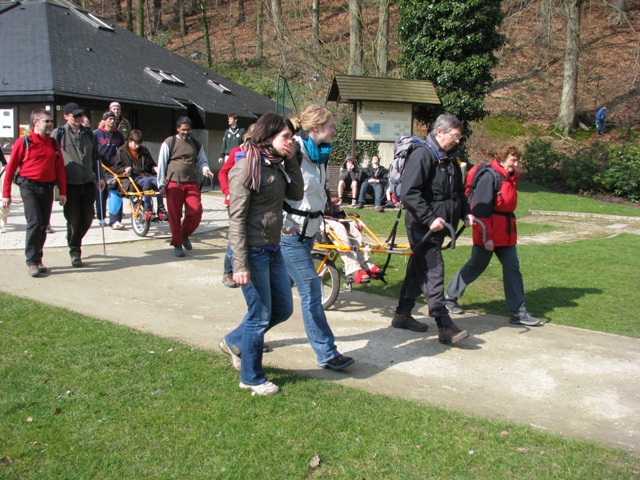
427	235
461	229
104	243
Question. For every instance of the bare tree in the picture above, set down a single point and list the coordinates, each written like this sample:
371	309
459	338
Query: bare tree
182	19
619	15
356	51
276	18
383	37
118	11
315	23
205	27
259	28
567	116
157	17
128	15
241	13
140	17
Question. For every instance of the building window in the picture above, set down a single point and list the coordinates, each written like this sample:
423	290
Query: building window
164	77
218	86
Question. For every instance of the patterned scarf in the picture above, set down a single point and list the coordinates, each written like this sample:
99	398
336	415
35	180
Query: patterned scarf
255	157
318	154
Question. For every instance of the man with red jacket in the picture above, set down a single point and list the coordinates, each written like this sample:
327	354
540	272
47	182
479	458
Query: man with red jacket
38	157
494	201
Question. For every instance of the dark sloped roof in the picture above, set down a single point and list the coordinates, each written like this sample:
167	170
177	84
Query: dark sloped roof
50	49
346	88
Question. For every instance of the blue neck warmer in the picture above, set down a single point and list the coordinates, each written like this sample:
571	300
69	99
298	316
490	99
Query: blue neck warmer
318	154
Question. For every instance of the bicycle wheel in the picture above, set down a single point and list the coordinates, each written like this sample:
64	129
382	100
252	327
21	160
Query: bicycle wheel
330	280
138	222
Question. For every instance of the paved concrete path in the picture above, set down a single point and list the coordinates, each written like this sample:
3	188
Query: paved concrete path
563	380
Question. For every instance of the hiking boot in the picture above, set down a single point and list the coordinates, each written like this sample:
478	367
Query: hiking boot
227	281
360	205
267	388
451	334
186	243
379	208
76	262
227	350
33	270
337	363
524	318
177	250
407	322
42	268
453	306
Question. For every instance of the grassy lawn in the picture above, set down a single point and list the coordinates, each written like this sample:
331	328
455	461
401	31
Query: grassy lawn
583	284
85	399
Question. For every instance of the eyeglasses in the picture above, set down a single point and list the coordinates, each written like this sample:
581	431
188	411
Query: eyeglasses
456	136
45	121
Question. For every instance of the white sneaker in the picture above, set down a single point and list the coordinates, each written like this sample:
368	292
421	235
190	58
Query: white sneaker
339	202
354	203
267	388
235	359
117	226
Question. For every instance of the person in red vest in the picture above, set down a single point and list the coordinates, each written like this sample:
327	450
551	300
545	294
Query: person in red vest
494	201
41	167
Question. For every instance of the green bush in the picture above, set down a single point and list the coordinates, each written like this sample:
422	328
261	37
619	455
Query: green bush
597	168
622	177
542	162
580	171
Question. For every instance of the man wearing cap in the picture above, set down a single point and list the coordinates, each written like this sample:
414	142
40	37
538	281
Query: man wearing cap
82	166
41	167
122	124
180	157
109	140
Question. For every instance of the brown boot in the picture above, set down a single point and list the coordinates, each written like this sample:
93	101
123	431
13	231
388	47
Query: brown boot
451	334
408	323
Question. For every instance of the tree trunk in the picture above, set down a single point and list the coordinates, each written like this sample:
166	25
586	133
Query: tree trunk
183	20
567	115
619	15
383	37
276	17
128	6
205	27
356	53
259	28
140	17
241	13
157	16
315	23
118	11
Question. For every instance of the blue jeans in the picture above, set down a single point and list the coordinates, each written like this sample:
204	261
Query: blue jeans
377	192
511	276
299	262
149	183
269	302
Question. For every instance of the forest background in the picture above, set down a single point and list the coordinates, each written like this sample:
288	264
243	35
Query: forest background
253	41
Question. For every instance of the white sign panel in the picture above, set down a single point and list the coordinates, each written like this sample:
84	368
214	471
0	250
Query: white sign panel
6	123
382	121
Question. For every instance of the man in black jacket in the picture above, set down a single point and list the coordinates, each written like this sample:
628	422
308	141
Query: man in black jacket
432	193
374	177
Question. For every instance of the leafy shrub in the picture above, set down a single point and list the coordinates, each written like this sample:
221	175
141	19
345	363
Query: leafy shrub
542	162
622	177
580	171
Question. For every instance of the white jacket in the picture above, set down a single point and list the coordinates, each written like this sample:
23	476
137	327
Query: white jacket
315	197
